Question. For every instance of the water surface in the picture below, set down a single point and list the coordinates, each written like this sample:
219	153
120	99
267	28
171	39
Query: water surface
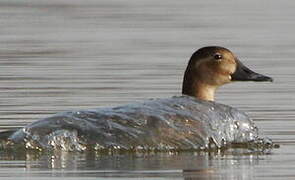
69	55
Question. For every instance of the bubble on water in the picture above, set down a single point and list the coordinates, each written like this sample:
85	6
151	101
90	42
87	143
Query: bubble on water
65	140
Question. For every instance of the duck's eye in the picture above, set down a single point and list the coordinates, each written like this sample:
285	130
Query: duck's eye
217	56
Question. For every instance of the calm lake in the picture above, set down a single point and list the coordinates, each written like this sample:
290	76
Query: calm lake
63	55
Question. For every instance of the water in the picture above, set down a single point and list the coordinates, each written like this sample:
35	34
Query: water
69	55
177	123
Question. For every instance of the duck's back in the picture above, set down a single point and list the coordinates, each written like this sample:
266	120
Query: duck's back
173	123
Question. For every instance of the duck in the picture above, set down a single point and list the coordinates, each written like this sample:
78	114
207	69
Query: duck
190	121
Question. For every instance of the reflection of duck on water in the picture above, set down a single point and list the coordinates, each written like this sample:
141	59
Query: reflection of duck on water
190	121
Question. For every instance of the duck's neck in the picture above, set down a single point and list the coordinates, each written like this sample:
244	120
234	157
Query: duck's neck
196	88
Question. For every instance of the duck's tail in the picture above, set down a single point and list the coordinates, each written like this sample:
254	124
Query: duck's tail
4	135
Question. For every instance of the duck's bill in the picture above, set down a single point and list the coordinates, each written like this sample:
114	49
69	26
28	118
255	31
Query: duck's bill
243	73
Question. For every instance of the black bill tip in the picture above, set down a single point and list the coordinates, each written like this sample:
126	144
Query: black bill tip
260	77
243	73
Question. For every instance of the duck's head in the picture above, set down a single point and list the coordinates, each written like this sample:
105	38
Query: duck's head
211	67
